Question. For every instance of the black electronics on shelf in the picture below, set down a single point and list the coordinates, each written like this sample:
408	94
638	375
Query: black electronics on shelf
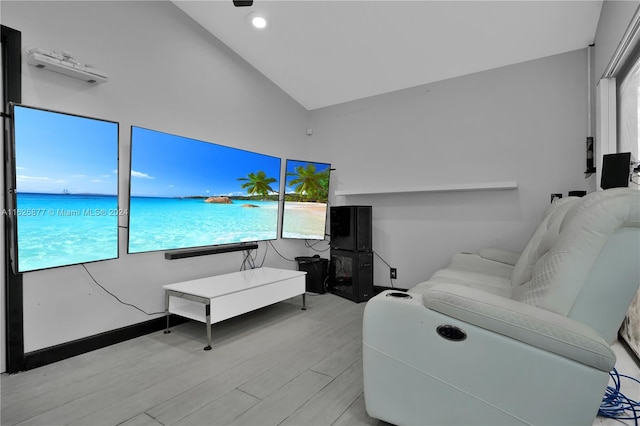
351	274
351	262
350	228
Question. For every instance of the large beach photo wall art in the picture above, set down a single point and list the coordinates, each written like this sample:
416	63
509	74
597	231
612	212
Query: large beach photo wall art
187	193
64	209
306	197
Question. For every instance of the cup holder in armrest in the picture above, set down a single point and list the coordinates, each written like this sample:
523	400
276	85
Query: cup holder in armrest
399	295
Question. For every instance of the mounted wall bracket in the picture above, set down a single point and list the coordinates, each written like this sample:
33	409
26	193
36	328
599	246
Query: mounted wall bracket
64	63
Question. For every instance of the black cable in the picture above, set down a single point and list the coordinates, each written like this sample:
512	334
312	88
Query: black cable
325	283
248	259
253	259
386	263
273	247
266	249
380	257
312	246
116	297
246	254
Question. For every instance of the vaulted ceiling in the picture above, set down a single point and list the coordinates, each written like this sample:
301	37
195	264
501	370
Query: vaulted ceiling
324	53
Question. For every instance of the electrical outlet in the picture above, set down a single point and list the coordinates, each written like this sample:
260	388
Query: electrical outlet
554	196
393	274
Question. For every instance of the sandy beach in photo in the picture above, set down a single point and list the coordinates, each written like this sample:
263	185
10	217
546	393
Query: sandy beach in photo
304	220
315	208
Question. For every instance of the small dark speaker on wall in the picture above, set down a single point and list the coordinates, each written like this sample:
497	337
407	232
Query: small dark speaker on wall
590	157
242	3
350	228
616	170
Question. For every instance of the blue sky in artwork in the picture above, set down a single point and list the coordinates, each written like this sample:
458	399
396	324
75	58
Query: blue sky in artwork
57	152
166	165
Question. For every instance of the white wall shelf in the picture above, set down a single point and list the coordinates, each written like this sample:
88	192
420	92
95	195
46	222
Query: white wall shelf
480	186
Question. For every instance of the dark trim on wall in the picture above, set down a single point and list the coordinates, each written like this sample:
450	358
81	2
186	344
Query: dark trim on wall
87	344
12	64
12	92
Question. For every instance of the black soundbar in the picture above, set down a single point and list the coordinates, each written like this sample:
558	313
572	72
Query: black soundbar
182	254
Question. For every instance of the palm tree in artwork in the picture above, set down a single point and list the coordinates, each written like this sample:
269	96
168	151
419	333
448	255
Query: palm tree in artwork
258	183
309	183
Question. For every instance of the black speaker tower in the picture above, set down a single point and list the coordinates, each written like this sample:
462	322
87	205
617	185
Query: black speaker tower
351	263
351	228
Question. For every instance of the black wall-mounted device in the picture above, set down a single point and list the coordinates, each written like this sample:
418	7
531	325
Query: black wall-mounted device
616	170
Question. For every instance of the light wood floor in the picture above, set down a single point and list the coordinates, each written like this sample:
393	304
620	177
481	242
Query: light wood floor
275	366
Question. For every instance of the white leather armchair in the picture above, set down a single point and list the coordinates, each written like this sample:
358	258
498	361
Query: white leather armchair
461	353
501	263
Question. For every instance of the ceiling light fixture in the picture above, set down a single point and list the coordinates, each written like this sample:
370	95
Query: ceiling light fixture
257	20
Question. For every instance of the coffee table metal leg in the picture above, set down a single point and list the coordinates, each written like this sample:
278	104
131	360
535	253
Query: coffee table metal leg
166	311
208	315
304	302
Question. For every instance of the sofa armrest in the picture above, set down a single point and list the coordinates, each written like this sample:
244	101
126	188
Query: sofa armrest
497	255
537	327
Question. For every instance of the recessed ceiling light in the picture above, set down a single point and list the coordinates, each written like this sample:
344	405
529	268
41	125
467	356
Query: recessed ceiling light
257	20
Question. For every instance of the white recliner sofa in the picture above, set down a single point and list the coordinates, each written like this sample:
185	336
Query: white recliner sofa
494	340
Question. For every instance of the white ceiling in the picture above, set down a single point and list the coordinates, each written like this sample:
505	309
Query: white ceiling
324	53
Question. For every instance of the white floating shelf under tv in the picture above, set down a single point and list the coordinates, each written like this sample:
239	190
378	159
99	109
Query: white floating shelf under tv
481	186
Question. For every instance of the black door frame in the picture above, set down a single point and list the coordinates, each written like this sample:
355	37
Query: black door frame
12	92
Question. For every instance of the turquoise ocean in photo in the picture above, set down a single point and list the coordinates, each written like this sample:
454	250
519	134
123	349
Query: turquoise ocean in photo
173	223
172	176
62	229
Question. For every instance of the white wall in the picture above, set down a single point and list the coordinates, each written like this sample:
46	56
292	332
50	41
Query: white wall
524	123
165	73
614	20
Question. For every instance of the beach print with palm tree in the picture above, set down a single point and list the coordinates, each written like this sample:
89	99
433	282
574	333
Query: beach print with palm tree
258	184
305	200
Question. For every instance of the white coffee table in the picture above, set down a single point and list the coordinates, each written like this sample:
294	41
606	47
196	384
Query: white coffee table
214	299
